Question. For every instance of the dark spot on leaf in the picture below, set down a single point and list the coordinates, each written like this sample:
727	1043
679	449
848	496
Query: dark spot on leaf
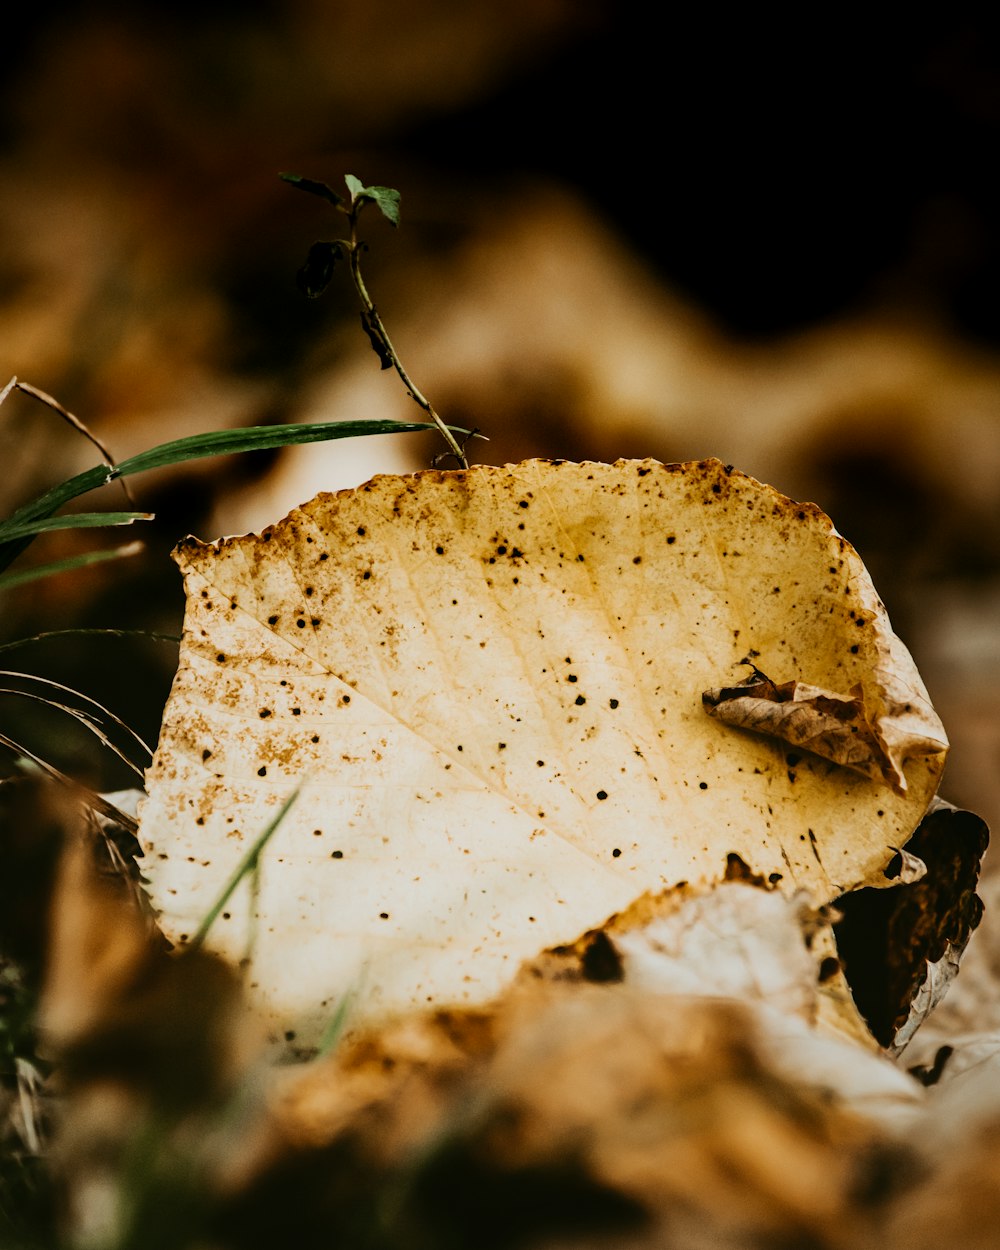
261	772
336	854
572	677
264	713
829	968
600	962
702	785
579	700
272	620
737	869
612	703
616	853
602	795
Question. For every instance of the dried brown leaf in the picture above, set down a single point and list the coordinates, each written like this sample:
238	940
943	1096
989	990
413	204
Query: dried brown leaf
491	681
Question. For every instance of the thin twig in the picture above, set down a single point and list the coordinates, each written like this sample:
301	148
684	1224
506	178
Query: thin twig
75	422
354	249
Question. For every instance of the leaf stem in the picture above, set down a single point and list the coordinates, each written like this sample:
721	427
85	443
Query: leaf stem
354	248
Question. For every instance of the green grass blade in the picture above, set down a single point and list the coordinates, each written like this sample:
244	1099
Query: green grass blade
258	438
75	521
45	505
9	580
336	1025
246	865
195	447
53	499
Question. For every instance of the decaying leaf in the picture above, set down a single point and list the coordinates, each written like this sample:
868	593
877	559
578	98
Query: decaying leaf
491	682
159	1112
833	726
672	1104
902	946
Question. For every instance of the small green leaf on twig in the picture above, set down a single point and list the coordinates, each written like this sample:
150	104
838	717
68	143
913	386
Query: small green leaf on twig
316	274
313	188
376	336
387	199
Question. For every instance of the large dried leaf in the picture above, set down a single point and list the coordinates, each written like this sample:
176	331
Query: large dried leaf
492	683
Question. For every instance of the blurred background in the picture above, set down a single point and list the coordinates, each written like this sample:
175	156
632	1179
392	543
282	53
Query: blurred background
724	237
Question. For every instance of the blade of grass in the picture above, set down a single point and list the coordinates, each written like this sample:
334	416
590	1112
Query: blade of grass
247	864
9	580
260	438
45	398
75	521
46	634
88	722
334	1030
195	447
84	698
92	799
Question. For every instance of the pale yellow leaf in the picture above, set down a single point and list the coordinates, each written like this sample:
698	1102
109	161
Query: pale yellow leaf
491	682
